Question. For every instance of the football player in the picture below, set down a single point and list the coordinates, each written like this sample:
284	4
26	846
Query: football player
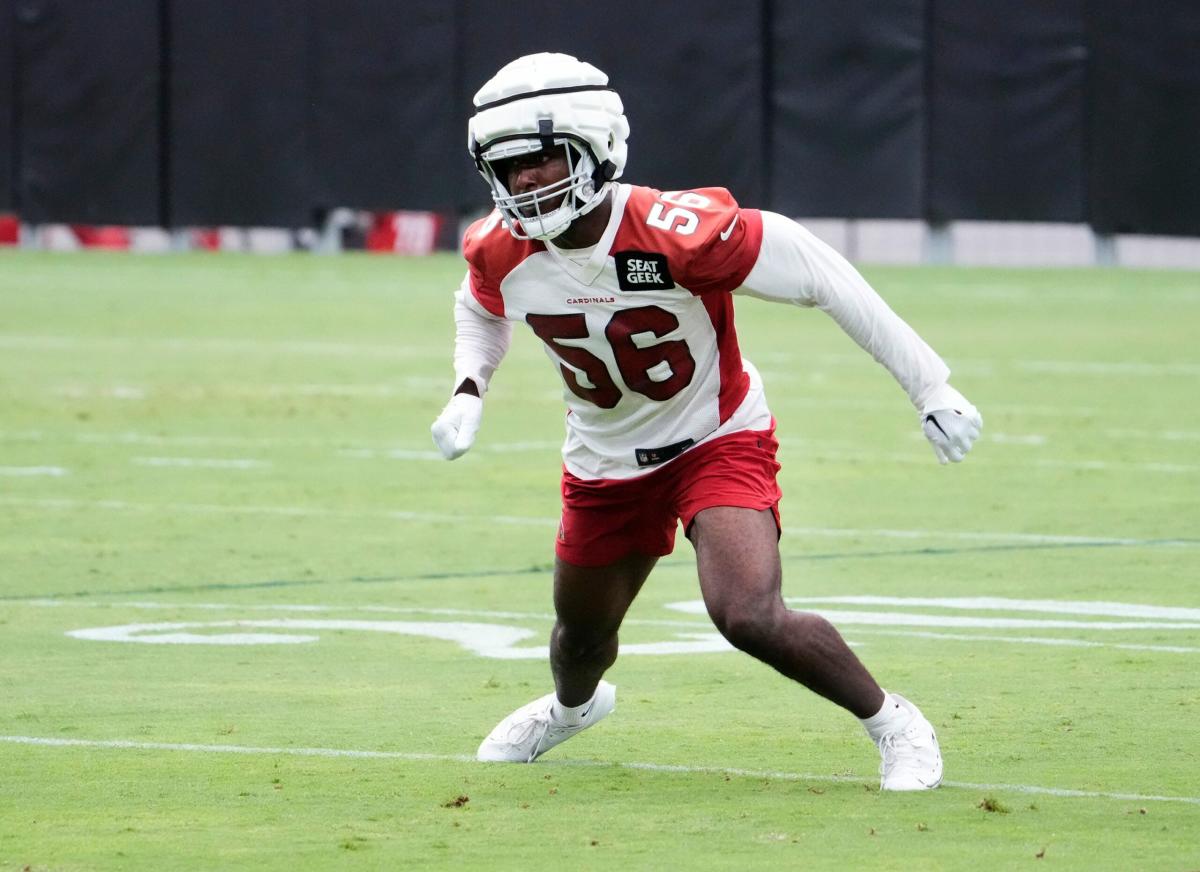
629	288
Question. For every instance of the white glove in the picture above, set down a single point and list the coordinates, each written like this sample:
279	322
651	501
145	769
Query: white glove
454	430
951	424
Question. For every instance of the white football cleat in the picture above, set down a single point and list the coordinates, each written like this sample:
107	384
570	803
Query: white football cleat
531	731
912	759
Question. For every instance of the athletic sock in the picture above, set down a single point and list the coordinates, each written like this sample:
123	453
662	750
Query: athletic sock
882	722
568	715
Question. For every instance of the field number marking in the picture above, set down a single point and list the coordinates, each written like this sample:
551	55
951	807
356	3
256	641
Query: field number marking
496	641
504	641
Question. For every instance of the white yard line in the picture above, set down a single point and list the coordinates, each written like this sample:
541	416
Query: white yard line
1028	640
116	392
663	768
1106	465
1164	435
1012	438
404	387
343	447
217	346
201	462
392	454
29	471
987	366
1107	367
517	520
282	511
134	437
1063	411
436	457
1003	604
328	390
977	536
925	458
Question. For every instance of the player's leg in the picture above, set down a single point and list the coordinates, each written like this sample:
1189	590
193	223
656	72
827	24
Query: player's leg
737	554
608	541
589	604
611	535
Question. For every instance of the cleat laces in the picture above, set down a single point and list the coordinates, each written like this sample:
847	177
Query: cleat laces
536	728
895	753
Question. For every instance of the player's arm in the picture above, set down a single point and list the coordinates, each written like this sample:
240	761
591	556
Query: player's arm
794	266
480	342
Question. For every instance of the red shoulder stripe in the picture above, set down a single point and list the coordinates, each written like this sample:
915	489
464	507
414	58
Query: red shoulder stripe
487	295
492	253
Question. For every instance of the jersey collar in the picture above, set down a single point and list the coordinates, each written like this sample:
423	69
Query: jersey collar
590	271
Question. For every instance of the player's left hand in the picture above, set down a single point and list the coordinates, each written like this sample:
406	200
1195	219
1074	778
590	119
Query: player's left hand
951	424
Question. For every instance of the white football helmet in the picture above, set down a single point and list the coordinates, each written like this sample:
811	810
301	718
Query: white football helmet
542	101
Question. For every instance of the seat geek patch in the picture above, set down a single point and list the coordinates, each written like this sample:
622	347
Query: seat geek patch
642	271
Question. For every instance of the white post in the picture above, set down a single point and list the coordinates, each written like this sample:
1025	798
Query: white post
939	244
1106	249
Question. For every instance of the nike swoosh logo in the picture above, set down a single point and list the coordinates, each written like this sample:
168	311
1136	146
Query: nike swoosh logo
728	230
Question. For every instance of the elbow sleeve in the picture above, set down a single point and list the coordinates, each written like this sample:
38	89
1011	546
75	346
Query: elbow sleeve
480	342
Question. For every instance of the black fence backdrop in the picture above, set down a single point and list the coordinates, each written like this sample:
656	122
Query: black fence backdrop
1144	116
8	110
270	113
238	112
1006	86
385	130
847	108
84	93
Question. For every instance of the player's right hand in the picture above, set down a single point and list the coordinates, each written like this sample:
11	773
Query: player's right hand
454	430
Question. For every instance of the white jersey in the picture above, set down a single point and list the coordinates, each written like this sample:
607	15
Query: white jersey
640	327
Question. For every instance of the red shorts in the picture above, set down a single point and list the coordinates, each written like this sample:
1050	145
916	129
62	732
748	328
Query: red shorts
605	520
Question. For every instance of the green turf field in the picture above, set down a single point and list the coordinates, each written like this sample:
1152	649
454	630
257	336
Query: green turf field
208	449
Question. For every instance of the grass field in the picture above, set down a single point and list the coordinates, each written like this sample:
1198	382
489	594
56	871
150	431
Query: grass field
198	450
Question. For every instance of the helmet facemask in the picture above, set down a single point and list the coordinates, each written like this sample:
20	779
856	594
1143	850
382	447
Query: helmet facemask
529	215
